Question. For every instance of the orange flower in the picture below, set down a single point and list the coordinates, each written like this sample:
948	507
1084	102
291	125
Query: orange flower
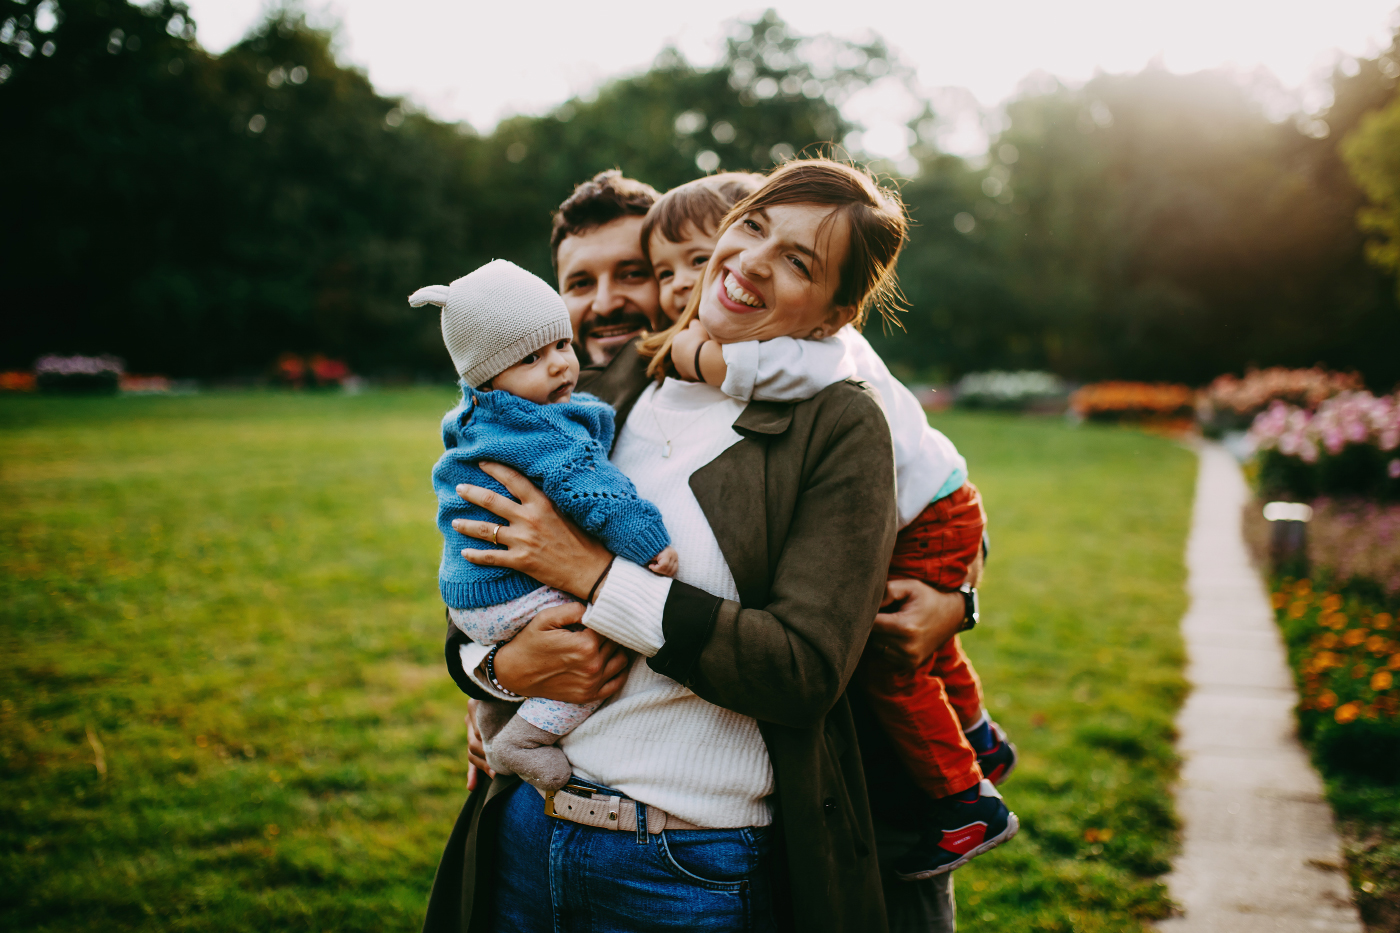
1297	609
1376	644
1382	620
1303	587
1326	699
1382	680
1354	637
1327	640
1394	663
1331	602
18	382
1348	712
1359	671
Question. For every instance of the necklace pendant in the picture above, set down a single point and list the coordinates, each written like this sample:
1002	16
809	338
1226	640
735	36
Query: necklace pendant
667	452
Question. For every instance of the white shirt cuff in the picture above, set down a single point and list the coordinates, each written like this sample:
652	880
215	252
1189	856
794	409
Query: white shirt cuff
472	655
742	362
630	606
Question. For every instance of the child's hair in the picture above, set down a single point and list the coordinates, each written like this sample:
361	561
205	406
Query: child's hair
605	197
699	205
866	280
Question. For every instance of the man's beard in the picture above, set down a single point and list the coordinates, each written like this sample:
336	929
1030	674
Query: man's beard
622	322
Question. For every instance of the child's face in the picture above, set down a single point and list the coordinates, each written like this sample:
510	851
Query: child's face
679	266
545	377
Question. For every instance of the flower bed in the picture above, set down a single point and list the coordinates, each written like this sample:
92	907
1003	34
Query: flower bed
317	370
1345	651
14	381
1347	447
85	375
1133	401
1012	391
1343	643
1231	403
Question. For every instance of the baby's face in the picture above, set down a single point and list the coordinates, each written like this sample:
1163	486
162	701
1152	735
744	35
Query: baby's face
679	266
546	376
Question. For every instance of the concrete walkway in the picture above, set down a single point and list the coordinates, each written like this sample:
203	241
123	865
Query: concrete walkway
1259	849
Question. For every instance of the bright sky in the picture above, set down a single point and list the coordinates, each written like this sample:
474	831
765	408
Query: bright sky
481	61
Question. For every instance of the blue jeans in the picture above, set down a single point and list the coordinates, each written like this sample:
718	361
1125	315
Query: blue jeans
554	876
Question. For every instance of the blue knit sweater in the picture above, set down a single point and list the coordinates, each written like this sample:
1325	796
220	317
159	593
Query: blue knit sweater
563	449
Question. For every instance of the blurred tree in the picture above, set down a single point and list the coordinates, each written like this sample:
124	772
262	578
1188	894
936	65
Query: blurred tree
1372	152
773	94
202	214
1160	227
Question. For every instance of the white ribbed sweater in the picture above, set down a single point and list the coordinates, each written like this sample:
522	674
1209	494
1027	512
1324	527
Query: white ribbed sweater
656	741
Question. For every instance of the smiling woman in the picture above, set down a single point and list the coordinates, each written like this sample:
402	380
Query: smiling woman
811	251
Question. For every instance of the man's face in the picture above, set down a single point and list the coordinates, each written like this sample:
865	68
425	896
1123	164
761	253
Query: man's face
607	286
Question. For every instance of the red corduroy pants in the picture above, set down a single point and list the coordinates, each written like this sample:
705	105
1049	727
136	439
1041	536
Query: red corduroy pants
925	710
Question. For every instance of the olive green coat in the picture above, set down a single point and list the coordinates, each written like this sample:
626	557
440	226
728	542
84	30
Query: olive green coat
804	510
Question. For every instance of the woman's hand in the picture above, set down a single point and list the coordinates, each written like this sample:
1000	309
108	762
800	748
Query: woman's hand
476	752
922	619
555	659
539	541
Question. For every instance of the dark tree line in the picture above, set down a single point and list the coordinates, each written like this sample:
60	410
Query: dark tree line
201	214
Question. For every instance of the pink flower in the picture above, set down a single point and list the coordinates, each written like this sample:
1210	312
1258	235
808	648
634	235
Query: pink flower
1393	469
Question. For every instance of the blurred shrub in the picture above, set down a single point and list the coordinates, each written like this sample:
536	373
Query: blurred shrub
1346	657
1230	403
1346	447
1132	401
1011	391
1351	541
87	375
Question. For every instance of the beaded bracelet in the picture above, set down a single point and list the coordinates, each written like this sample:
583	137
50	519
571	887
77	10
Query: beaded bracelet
491	672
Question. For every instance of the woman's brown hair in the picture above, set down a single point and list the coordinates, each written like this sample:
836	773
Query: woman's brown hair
866	279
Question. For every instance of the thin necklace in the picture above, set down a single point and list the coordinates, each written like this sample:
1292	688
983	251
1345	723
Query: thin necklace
657	418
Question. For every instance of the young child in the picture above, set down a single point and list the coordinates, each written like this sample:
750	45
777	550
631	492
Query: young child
509	336
933	714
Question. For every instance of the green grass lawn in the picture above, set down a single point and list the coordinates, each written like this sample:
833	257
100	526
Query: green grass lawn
223	706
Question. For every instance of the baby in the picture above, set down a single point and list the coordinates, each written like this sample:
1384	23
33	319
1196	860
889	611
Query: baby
933	714
510	339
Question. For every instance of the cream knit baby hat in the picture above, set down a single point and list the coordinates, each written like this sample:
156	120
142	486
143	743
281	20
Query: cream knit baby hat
495	317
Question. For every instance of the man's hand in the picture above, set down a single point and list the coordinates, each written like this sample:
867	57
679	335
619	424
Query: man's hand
476	752
917	621
554	658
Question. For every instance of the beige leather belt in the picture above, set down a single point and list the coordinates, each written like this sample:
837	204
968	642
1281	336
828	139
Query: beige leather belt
607	811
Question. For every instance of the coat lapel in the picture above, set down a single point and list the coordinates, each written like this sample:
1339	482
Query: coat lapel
733	494
732	488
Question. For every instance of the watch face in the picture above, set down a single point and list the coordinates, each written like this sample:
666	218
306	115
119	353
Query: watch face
971	614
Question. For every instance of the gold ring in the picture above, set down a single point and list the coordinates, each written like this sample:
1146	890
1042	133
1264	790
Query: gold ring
495	531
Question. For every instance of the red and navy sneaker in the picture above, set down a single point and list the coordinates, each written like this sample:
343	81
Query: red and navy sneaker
998	763
956	831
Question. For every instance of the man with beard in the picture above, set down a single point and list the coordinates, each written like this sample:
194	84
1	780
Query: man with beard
604	277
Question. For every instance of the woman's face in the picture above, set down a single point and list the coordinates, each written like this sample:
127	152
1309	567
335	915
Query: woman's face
774	273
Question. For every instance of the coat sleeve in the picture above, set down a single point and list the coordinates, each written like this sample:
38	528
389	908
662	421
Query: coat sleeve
789	661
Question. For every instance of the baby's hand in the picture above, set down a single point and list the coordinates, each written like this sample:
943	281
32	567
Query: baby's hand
666	563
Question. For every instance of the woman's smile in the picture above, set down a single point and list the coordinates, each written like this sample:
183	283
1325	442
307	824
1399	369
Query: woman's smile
742	295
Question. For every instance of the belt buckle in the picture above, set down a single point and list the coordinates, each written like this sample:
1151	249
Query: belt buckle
549	797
